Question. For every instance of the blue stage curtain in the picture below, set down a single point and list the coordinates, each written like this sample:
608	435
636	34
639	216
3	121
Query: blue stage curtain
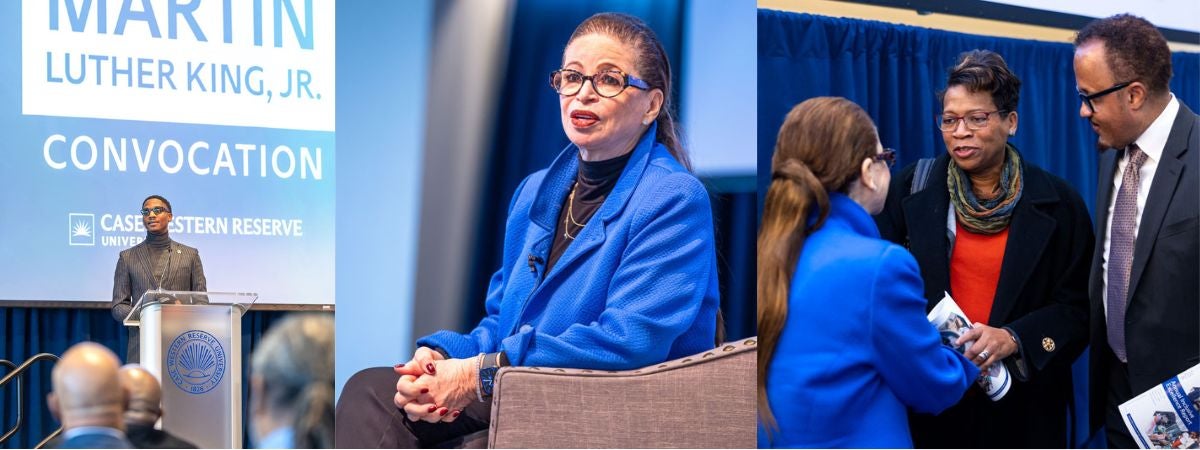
894	71
529	135
29	331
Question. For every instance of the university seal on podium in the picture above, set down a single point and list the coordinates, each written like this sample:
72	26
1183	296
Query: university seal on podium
196	362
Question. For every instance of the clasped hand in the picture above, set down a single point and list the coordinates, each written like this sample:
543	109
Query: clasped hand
434	389
991	345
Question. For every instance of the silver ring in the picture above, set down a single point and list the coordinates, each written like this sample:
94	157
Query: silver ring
984	354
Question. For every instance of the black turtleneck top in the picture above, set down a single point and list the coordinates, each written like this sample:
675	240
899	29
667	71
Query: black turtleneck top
592	184
160	245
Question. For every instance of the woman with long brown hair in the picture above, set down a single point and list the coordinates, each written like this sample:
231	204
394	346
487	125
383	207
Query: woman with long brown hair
845	348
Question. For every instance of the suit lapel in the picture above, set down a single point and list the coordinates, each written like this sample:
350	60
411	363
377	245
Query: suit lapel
1028	235
555	186
1162	189
145	261
170	272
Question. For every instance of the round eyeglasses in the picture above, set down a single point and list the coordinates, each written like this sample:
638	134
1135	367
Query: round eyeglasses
975	120
607	83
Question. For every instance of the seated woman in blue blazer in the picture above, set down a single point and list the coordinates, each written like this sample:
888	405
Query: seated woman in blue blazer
844	346
609	257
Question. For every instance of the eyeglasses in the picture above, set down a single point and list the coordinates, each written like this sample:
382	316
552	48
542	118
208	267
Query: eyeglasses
974	121
156	210
606	83
1087	98
888	156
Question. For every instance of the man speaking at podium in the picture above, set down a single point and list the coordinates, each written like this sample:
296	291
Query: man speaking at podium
157	262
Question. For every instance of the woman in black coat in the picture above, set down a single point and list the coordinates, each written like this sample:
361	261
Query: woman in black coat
1012	244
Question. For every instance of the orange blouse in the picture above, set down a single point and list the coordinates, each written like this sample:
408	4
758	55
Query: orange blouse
975	271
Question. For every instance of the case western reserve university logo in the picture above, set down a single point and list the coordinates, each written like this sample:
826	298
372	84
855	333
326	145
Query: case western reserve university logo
196	362
81	229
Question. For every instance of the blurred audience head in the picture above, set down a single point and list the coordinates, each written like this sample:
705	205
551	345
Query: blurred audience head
144	405
86	388
291	381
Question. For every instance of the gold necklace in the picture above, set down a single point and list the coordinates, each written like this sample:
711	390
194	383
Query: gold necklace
571	214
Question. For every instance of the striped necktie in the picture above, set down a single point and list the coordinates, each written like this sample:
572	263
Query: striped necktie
1120	249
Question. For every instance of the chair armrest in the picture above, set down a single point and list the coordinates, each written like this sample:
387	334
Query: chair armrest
707	400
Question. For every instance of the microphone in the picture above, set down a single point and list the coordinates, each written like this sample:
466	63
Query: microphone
167	268
533	260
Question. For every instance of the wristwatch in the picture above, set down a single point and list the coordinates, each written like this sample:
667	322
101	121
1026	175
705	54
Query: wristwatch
489	365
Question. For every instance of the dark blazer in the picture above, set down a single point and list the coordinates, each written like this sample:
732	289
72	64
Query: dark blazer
1041	295
146	436
1161	336
134	276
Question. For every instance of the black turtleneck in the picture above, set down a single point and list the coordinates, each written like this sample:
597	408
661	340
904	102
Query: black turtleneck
160	244
592	185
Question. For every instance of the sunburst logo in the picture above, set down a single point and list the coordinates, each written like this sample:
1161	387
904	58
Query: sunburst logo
81	229
196	362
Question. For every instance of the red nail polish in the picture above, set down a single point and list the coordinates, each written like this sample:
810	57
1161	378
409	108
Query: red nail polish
429	369
432	408
443	412
455	415
425	391
398	366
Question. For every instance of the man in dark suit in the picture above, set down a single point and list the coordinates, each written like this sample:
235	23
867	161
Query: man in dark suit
1144	289
157	262
143	410
87	398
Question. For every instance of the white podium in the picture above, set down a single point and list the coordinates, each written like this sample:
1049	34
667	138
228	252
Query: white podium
192	341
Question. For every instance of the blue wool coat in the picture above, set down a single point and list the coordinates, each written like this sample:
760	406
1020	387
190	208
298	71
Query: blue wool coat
856	350
638	285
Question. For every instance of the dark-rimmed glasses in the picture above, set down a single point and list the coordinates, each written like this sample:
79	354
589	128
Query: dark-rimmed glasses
157	210
606	83
888	155
974	120
1087	98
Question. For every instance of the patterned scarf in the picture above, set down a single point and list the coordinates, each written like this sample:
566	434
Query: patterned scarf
986	216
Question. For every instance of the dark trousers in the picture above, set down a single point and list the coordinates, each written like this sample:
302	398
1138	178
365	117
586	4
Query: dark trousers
1118	392
366	417
133	352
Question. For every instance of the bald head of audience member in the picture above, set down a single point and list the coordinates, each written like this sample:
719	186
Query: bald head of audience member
144	394
87	389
